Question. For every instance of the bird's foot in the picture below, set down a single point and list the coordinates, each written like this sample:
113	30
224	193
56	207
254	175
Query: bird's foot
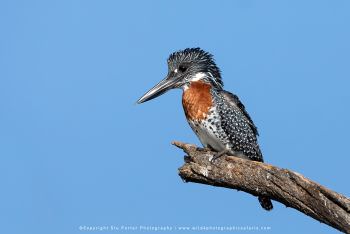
237	154
206	149
218	155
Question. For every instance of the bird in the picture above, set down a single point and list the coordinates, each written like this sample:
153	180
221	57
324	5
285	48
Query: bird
217	117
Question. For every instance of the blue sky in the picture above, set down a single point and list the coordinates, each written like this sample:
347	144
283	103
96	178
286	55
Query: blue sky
77	150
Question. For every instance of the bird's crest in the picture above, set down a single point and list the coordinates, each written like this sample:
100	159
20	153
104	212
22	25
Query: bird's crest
200	60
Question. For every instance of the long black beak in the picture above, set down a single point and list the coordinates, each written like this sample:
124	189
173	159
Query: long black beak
160	88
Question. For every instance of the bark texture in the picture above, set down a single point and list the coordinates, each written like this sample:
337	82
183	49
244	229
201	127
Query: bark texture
282	185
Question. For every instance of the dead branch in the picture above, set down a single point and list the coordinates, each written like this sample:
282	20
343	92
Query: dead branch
288	187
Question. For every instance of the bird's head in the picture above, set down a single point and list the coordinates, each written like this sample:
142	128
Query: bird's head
184	67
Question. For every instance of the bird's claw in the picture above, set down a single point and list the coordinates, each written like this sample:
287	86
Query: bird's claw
217	155
205	149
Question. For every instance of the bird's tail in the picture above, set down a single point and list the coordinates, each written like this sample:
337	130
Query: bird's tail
266	203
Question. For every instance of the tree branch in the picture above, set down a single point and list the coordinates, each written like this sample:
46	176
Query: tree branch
288	187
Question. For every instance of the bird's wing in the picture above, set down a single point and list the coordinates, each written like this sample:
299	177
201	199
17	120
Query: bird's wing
234	100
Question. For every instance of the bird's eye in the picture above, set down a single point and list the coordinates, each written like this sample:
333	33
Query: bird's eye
182	68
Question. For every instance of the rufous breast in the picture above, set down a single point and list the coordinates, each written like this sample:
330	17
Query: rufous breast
197	100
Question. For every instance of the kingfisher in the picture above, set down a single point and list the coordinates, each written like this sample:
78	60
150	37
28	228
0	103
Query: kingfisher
217	117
